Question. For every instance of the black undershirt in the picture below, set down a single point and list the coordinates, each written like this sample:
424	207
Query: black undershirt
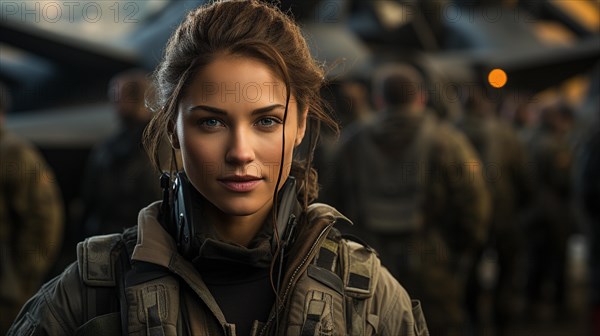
244	294
238	279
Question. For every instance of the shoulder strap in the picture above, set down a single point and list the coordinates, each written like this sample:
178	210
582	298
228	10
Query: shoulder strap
322	269
103	261
352	269
97	257
115	288
359	266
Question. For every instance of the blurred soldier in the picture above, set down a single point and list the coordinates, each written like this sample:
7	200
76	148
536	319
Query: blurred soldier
521	110
414	189
588	189
119	179
552	221
31	220
506	172
350	101
355	106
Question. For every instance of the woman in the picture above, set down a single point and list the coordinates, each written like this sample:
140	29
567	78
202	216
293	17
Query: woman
237	93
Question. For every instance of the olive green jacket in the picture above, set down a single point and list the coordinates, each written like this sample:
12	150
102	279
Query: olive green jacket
181	304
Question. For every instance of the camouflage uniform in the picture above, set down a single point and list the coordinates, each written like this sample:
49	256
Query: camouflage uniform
413	187
31	223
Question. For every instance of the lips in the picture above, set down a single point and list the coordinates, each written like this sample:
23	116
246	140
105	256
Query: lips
240	183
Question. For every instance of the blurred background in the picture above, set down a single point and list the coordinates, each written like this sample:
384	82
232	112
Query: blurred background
535	63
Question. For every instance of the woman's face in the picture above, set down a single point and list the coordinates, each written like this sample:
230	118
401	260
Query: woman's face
229	129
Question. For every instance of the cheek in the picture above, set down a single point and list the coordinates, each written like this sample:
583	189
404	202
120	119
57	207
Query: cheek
201	164
268	154
197	153
275	142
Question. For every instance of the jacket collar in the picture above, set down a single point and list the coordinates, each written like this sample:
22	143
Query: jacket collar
154	244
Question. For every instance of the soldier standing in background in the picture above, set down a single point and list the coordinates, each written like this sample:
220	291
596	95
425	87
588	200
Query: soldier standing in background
505	160
552	219
350	100
588	190
119	179
31	220
414	189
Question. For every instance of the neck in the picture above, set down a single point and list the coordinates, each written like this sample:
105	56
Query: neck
237	229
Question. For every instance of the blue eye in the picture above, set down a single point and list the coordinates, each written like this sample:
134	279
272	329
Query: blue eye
268	122
210	123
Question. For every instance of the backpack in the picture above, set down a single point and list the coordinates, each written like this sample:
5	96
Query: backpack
390	187
343	271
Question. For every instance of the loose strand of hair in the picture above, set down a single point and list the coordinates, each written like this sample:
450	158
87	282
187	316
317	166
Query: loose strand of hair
312	145
154	132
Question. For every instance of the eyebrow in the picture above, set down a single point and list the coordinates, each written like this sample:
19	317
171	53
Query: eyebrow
219	111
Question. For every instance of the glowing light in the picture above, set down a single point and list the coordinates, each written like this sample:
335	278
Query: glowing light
497	78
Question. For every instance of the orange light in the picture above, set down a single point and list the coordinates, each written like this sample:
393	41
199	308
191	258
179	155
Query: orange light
497	78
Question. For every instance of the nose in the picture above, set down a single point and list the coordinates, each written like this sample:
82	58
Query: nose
240	151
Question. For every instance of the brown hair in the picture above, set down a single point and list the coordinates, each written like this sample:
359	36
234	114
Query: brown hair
250	29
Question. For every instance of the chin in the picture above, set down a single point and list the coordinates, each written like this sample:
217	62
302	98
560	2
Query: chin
239	207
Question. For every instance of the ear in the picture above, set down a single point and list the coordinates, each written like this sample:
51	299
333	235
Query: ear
172	133
301	127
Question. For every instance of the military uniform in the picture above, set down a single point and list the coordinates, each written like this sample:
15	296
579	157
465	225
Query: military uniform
414	188
510	184
588	190
551	222
330	287
31	223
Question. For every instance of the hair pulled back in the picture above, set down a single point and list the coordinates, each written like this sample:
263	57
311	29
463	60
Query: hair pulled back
240	28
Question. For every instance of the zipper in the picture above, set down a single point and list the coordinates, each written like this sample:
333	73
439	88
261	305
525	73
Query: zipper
289	286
